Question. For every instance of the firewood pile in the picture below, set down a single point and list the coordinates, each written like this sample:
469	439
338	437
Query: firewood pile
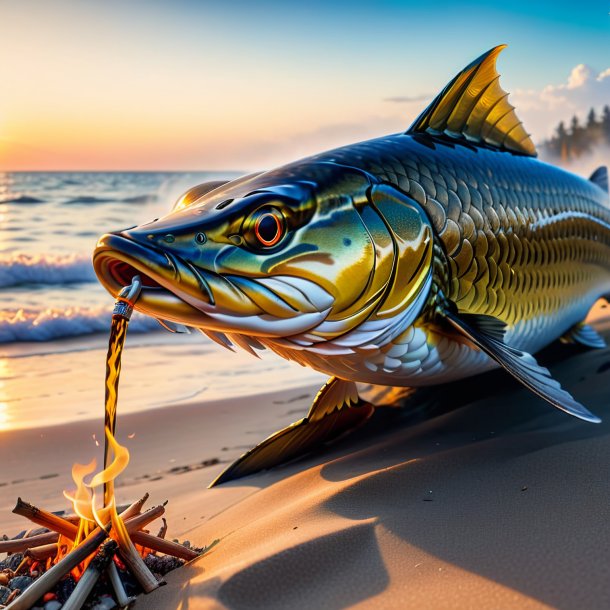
55	566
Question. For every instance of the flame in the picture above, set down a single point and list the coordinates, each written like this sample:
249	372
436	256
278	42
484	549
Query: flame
106	478
81	498
116	467
92	506
85	498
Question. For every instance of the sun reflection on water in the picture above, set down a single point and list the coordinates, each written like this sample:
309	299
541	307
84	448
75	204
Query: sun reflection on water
5	417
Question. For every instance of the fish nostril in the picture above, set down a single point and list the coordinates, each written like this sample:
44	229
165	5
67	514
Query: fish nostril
201	238
169	238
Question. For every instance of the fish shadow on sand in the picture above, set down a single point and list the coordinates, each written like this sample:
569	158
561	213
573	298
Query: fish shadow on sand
287	577
479	477
290	576
503	486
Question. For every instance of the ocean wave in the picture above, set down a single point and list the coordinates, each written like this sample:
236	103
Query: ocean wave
45	269
94	199
89	199
51	324
22	199
147	198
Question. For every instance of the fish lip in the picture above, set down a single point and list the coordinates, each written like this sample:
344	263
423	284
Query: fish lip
158	270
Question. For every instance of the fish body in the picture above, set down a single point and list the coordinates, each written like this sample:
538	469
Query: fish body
412	259
518	239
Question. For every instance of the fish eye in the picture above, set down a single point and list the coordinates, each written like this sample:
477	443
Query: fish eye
269	227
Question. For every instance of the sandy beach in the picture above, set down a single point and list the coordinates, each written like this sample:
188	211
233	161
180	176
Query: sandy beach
486	498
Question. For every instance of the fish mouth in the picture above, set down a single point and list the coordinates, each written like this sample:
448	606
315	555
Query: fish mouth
174	289
117	258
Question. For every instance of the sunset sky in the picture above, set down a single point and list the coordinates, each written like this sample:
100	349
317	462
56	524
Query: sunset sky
119	84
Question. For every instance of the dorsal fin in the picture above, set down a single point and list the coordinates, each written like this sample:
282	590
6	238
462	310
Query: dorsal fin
193	194
474	106
600	177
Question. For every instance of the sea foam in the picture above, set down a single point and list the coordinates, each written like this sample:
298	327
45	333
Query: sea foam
53	323
21	269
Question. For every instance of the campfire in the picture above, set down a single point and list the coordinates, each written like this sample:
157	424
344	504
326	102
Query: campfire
97	553
61	561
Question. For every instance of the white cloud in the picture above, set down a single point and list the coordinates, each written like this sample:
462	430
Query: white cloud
542	109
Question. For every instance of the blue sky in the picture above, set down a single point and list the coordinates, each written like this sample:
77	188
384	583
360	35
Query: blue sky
190	83
546	38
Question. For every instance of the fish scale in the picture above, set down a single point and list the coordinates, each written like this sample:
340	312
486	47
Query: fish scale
570	257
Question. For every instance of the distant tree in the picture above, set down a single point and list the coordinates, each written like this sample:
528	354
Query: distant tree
562	142
605	124
578	142
570	143
593	134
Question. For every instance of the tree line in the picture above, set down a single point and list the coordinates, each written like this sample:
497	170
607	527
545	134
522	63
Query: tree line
569	143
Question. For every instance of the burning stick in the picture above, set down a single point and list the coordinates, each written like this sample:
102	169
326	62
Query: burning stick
91	576
40	553
136	564
21	544
46	519
67	529
132	526
163	546
132	558
52	576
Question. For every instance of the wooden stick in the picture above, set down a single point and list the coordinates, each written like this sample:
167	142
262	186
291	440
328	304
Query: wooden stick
135	508
21	544
46	519
67	529
40	553
163	529
52	576
163	546
91	575
132	558
143	519
119	588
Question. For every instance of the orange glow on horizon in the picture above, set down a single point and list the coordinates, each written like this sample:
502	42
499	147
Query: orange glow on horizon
184	85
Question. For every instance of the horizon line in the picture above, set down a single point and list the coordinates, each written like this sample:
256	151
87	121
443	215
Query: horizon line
124	171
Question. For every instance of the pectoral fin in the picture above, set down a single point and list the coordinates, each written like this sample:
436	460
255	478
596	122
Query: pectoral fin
336	410
586	335
486	333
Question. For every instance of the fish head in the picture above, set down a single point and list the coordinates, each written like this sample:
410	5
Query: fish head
297	250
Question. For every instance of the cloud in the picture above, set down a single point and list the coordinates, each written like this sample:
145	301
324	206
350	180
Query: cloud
542	109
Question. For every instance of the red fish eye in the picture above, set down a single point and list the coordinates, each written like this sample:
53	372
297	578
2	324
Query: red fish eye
268	229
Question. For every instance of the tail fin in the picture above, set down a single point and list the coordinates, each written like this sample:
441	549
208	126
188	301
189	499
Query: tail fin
600	177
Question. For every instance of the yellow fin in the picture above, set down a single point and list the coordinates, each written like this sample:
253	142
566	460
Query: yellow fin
336	411
473	106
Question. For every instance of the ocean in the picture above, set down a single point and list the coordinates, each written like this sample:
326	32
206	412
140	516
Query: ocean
55	316
49	224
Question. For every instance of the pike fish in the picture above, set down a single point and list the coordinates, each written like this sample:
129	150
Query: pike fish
408	260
